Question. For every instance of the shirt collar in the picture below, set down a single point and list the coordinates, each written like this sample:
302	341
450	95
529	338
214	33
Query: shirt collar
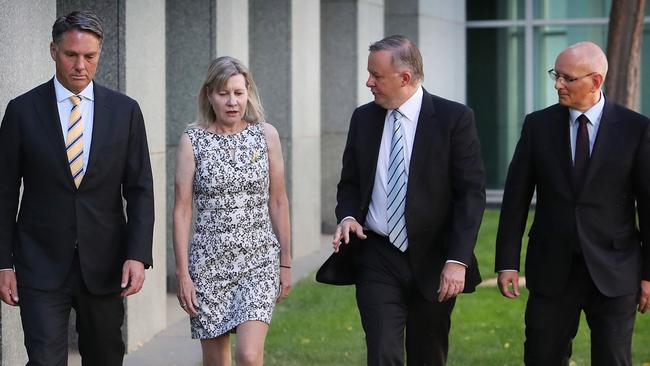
62	93
594	113
411	108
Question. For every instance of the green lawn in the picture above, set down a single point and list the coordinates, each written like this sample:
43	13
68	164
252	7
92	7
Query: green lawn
319	325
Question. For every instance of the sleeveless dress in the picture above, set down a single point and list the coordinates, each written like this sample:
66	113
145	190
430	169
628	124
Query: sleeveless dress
234	253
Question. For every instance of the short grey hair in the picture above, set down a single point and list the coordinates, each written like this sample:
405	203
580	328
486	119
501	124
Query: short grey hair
83	20
405	53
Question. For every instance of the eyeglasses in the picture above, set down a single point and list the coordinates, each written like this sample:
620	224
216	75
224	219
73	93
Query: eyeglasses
565	79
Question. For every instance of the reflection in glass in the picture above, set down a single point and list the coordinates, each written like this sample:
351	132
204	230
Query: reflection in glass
549	41
563	9
495	9
495	90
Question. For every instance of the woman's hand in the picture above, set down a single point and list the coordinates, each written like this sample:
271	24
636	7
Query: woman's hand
285	282
186	294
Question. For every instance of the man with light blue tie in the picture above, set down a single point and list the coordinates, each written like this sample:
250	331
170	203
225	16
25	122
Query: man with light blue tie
409	204
82	235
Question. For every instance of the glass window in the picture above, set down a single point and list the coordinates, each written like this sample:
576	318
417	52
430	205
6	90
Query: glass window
504	82
644	93
563	9
495	9
495	79
549	41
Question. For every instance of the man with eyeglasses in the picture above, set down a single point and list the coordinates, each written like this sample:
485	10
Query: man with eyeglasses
587	158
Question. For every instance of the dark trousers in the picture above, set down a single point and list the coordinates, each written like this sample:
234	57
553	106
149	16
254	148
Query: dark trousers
45	316
390	305
552	323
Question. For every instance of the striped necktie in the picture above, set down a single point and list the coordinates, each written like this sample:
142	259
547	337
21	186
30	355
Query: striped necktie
397	185
75	142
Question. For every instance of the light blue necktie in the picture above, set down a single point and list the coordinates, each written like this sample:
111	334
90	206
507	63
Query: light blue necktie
397	185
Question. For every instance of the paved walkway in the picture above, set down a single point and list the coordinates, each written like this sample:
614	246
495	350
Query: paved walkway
174	347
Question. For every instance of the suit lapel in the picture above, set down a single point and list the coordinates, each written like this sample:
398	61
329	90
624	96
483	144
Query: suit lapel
423	137
604	139
562	139
372	139
101	128
48	113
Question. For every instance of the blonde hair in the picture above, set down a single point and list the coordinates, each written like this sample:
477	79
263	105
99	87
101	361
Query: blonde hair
220	70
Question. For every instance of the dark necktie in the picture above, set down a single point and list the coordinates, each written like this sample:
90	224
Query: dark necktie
581	160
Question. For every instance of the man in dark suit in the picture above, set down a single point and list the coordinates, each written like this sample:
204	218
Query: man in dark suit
412	192
588	160
79	149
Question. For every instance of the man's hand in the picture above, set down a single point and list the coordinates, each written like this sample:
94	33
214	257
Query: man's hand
132	277
509	284
8	287
343	230
644	296
452	281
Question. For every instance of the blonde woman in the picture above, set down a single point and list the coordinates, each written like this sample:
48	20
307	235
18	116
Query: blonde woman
238	263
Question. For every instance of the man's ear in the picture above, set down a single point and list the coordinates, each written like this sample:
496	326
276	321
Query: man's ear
53	50
406	77
597	80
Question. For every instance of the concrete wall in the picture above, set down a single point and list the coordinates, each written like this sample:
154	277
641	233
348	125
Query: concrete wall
110	72
442	43
232	29
189	48
145	82
348	28
197	32
25	27
305	126
438	28
284	57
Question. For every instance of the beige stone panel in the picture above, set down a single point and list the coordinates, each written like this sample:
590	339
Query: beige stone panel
232	29
442	44
145	82
370	23
146	311
145	65
305	205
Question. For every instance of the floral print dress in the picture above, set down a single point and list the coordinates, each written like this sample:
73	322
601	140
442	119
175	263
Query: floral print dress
234	254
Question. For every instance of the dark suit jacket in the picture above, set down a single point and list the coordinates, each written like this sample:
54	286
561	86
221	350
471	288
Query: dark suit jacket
599	219
445	195
54	214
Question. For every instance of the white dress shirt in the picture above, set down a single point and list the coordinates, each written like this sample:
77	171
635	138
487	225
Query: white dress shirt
377	219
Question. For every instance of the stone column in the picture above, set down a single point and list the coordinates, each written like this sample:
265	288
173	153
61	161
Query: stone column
305	126
144	67
190	28
110	72
232	29
26	28
197	32
438	28
285	61
133	62
348	28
